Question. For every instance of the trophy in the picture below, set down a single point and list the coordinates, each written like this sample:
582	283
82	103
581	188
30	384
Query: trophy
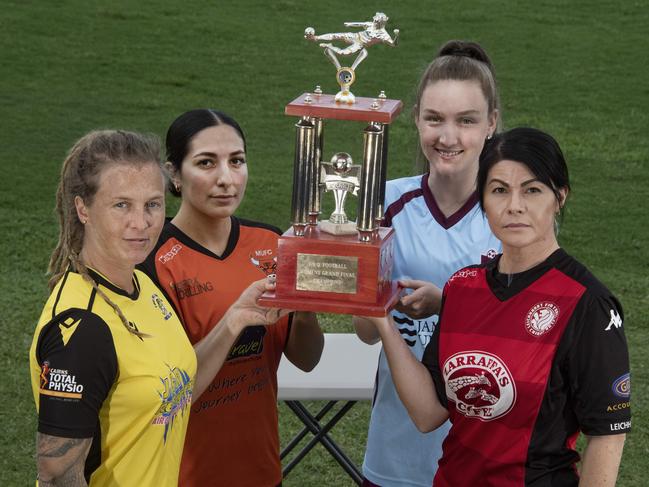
335	265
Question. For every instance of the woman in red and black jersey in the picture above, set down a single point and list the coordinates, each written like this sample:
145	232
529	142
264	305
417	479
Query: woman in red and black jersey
530	350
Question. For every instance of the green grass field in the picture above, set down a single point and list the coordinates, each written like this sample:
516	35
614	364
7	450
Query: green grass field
571	68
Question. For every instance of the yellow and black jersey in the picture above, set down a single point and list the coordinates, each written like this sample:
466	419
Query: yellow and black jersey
92	378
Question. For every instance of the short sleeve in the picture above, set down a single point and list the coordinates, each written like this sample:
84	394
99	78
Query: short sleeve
598	367
431	356
78	367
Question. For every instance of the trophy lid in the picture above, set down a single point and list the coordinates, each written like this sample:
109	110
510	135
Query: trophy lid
383	110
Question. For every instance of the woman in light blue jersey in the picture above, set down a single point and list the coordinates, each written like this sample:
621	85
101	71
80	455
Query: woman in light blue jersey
439	229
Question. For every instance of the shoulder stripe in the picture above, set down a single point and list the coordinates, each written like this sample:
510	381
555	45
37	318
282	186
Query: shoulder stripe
91	301
58	295
250	223
398	205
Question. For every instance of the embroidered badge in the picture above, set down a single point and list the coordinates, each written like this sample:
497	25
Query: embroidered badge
541	318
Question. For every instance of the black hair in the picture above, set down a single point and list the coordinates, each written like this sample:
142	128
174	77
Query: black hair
535	149
186	126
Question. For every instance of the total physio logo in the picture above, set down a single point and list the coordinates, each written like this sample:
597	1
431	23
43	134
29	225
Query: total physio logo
265	261
480	385
541	318
59	383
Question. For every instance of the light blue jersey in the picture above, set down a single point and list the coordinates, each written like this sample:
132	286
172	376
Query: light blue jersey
428	247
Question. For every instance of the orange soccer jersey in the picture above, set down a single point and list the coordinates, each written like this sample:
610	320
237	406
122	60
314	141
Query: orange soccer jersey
232	438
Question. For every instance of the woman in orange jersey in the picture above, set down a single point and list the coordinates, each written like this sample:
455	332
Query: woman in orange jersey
112	371
204	259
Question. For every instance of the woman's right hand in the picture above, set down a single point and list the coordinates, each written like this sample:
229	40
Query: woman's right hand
424	300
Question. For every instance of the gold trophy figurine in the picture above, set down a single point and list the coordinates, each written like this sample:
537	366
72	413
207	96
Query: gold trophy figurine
374	33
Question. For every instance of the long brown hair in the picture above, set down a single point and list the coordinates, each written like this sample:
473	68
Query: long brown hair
80	173
462	61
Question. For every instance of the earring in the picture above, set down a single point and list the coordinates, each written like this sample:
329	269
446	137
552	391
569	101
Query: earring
177	186
489	136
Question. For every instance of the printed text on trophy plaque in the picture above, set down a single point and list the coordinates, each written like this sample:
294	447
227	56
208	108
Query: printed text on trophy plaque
326	273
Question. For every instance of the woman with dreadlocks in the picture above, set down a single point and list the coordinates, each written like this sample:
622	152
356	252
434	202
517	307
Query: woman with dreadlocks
113	373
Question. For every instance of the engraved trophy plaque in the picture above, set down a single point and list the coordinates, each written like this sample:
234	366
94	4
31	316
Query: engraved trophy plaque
334	265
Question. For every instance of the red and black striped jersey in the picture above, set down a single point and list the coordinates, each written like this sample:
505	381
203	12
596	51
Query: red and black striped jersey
525	362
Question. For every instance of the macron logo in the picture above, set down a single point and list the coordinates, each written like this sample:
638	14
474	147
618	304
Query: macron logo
616	321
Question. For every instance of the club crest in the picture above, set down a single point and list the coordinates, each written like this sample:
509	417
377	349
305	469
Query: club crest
541	318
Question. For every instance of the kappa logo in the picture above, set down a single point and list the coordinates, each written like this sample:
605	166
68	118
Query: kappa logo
173	252
616	321
541	318
480	385
621	386
158	303
265	261
411	329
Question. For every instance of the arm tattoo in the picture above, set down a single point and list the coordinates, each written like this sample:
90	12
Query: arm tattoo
72	478
54	447
61	461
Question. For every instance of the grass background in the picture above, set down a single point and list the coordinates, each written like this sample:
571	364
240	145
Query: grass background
573	68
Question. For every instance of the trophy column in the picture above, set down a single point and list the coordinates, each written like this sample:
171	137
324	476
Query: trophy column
327	268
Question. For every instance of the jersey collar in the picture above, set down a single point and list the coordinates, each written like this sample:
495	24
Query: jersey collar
103	281
445	222
185	239
505	286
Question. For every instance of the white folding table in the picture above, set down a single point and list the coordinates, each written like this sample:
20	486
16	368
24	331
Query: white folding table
346	372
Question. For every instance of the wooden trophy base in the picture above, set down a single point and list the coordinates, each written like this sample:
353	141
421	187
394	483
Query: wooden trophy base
334	274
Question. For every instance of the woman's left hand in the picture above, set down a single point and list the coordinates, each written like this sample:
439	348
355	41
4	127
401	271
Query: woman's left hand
245	311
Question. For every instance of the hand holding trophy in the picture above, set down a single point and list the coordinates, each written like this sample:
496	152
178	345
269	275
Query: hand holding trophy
335	265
